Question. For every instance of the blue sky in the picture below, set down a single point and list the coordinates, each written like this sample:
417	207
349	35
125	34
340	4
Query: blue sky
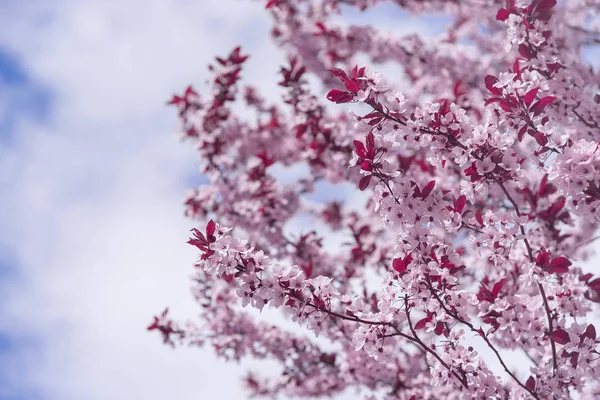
26	97
12	77
92	237
10	70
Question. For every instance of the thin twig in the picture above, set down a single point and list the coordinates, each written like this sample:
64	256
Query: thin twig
481	333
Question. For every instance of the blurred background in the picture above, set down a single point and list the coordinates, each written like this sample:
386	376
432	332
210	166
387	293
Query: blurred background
92	175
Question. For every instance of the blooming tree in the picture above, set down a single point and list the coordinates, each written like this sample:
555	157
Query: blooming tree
482	167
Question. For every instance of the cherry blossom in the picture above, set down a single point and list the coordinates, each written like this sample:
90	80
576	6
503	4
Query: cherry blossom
482	172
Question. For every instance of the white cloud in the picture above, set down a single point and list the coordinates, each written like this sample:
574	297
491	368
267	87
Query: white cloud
95	195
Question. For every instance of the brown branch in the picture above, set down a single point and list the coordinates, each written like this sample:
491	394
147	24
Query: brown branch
415	339
463	379
542	293
516	207
483	335
586	242
550	328
586	123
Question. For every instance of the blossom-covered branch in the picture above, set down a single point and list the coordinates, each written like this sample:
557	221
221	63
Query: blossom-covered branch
482	169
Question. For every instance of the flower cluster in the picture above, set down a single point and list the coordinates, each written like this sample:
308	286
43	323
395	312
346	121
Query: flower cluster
575	174
482	170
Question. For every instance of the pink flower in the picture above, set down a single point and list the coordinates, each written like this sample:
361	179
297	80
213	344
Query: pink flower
458	204
484	166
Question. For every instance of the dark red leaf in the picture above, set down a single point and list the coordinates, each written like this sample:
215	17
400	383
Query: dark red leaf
189	91
541	104
318	302
351	85
361	73
545	187
175	100
366	166
210	228
502	14
558	205
339	96
492	100
545	101
398	265
370	143
530	383
505	105
416	191
559	265
560	336
236	58
459	204
338	73
408	259
307	268
199	238
421	324
321	27
360	149
457	91
542	259
530	96
364	182
444	107
586	277
498	287
439	328
153	325
522	133
590	332
545	5
299	73
490	81
595	284
541	139
375	121
516	69
427	189
479	216
401	264
365	230
524	51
